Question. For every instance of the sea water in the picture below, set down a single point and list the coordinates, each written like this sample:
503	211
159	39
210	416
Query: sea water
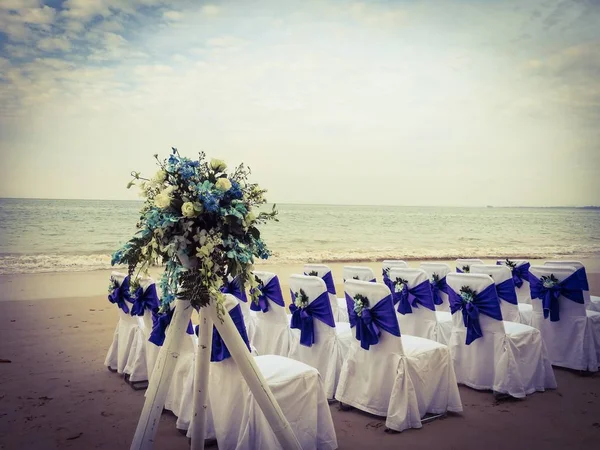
74	235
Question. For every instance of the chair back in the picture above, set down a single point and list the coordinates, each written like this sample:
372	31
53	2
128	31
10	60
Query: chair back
314	287
463	265
276	313
561	273
324	272
520	276
580	268
438	271
505	288
361	273
118	278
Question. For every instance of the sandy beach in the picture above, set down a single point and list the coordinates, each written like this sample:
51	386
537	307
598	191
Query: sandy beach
55	392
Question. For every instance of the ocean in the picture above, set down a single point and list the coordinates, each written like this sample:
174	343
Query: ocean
77	235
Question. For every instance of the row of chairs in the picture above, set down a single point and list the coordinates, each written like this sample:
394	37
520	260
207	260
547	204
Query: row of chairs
336	352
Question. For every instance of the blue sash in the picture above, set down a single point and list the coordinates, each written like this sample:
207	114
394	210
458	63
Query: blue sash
410	298
144	300
302	318
571	288
506	291
372	320
160	322
442	286
120	295
219	350
328	279
519	273
270	291
234	288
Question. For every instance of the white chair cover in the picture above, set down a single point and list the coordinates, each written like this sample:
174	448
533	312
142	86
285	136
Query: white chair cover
592	303
440	270
509	358
401	378
362	273
237	419
126	353
464	264
244	301
523	294
272	333
331	343
500	274
324	271
422	322
574	340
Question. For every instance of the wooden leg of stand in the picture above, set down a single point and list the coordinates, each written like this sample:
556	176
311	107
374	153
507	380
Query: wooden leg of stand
255	380
161	377
201	376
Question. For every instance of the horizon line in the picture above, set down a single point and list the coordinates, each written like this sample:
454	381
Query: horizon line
329	204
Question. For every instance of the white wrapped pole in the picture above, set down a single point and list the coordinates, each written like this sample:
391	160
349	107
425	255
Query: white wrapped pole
201	374
256	382
161	377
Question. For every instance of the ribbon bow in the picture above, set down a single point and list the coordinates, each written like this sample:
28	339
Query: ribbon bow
219	350
270	291
302	318
410	298
143	300
120	295
372	320
328	279
484	302
436	287
234	288
387	281
506	291
519	273
160	322
571	288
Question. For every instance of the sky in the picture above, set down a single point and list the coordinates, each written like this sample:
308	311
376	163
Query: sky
448	102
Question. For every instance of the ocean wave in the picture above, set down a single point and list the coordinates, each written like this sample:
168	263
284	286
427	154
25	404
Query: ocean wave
40	263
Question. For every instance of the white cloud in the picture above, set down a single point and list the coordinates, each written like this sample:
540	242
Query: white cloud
50	44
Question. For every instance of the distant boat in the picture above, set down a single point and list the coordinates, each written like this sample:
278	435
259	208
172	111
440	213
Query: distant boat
489	206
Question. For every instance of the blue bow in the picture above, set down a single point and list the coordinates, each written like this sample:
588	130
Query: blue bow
120	295
571	288
372	320
160	322
328	279
441	285
387	281
302	318
219	350
234	288
410	298
143	300
582	275
519	273
270	291
485	302
506	291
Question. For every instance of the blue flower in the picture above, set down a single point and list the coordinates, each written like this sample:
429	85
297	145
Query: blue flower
210	202
235	192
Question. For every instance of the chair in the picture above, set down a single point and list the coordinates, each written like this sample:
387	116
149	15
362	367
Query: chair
126	355
353	272
463	265
272	333
237	419
321	342
488	353
234	288
413	299
399	377
571	334
324	272
505	289
520	273
386	265
437	277
592	303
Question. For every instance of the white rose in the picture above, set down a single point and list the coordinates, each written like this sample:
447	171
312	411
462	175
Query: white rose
160	176
162	200
188	210
250	218
218	165
223	184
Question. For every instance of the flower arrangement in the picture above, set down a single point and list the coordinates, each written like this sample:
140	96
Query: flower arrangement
399	284
300	299
549	281
467	294
435	278
511	264
200	222
466	269
360	303
313	273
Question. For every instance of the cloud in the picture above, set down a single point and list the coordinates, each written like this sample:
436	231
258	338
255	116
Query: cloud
210	10
173	15
51	44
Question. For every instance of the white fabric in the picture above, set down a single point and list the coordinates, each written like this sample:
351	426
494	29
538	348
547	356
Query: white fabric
574	340
323	270
362	273
387	264
126	353
272	333
461	262
331	343
441	270
592	303
510	312
401	378
523	293
509	358
422	322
